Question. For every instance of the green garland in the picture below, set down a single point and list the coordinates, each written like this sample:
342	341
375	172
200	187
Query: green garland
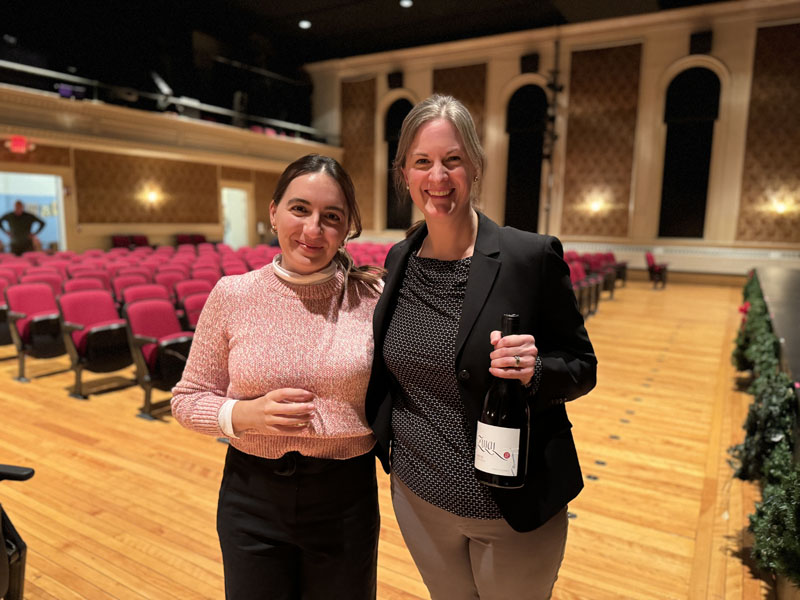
770	419
776	522
765	455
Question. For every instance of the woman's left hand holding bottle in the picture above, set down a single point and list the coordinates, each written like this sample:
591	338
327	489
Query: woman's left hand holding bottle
285	411
513	357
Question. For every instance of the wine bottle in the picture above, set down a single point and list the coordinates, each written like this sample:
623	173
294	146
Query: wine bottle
501	444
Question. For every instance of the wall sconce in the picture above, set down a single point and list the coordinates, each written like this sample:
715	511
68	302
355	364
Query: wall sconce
150	195
597	202
783	206
781	203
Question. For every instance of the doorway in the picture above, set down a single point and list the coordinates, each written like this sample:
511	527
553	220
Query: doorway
526	118
236	217
42	196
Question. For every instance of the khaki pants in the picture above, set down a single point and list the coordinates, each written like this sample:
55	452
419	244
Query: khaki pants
469	559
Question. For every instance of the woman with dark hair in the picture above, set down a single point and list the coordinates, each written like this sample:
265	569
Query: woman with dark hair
437	345
280	365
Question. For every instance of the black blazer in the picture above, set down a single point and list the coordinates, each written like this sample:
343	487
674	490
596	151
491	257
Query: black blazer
512	271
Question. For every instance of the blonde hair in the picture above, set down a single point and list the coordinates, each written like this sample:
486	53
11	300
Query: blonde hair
453	111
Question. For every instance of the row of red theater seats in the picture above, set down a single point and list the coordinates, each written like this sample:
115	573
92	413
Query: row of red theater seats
362	252
591	274
88	326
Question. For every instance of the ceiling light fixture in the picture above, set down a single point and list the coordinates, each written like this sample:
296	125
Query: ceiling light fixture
304	24
406	3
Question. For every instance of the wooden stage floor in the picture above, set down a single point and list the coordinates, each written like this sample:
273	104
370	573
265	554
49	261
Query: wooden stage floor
122	507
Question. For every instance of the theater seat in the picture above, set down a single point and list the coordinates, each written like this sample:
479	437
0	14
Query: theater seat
34	322
5	334
192	306
14	551
657	271
190	286
159	347
95	336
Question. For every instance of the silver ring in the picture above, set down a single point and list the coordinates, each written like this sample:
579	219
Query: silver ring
516	360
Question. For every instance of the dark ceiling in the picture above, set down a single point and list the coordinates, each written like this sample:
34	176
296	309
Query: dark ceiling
191	44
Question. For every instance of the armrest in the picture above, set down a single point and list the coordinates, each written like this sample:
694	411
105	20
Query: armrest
14	473
143	340
15	316
70	327
176	354
45	317
108	327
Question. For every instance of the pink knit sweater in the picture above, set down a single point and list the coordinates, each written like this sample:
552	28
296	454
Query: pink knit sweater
258	333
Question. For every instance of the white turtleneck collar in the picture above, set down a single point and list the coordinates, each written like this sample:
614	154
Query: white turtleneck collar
320	276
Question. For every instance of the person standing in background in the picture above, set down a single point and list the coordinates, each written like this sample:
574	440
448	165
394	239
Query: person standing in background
436	350
18	225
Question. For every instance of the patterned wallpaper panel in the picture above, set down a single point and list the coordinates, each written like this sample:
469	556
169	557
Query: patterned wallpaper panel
235	174
358	141
467	84
264	188
113	188
603	97
771	174
41	155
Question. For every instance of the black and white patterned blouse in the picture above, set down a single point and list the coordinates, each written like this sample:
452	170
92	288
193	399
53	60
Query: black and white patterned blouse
433	447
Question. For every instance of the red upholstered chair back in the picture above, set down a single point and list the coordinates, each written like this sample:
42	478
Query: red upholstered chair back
153	318
57	264
102	275
174	268
82	283
193	306
145	291
9	274
235	269
87	307
4	283
120	241
51	279
42	269
168	279
210	275
143	271
651	262
125	281
17	266
191	286
32	299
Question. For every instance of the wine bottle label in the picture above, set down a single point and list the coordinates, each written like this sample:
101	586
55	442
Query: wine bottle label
497	450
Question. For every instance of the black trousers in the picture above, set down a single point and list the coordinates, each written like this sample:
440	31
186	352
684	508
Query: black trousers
19	247
298	528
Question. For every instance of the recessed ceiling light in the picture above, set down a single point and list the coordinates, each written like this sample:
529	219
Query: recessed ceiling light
304	24
406	3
